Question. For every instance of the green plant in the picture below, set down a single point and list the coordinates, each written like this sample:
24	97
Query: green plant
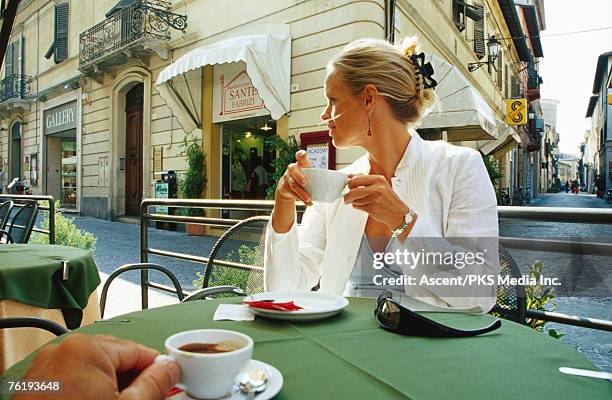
540	298
66	232
494	174
194	181
285	155
232	276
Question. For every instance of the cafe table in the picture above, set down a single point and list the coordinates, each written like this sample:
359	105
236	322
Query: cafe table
33	284
349	357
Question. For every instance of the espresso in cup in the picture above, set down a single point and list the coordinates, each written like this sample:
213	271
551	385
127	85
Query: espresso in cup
210	359
325	185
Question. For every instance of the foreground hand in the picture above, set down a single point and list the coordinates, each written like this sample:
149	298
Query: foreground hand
291	184
102	367
374	195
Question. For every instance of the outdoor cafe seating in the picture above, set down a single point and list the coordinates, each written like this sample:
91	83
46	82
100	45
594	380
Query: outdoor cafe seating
346	355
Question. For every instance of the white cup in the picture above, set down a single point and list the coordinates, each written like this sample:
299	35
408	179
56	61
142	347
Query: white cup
208	375
325	185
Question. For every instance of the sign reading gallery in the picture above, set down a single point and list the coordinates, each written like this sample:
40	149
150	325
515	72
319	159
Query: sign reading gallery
60	118
234	96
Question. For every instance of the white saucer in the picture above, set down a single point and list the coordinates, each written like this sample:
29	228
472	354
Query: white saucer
274	376
316	305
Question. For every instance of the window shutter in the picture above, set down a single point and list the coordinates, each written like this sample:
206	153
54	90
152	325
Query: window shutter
8	61
516	90
61	32
479	26
506	83
500	71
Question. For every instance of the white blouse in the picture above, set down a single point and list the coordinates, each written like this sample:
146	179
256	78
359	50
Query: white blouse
447	186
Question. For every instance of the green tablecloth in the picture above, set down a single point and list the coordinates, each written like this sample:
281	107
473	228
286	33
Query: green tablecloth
349	357
32	274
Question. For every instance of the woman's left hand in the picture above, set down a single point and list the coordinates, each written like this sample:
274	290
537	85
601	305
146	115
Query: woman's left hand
374	195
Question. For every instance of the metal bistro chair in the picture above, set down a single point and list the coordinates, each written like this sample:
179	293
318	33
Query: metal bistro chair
5	212
20	228
32	322
237	258
511	300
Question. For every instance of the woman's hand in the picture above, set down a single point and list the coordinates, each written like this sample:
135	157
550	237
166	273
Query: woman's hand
291	184
374	195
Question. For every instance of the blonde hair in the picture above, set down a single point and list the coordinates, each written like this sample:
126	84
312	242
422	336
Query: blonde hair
390	69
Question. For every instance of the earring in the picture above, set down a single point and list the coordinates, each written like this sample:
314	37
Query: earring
369	127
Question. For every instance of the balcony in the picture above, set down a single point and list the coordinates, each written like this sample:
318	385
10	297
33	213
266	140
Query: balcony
131	33
533	87
15	92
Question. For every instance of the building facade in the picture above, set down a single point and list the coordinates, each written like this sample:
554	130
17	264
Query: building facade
599	108
98	99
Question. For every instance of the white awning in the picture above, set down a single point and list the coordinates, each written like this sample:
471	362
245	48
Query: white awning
507	140
268	61
461	110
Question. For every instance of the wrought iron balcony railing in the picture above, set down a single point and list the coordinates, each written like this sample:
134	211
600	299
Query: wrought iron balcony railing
15	87
143	19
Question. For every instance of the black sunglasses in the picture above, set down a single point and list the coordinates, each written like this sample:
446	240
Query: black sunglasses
394	317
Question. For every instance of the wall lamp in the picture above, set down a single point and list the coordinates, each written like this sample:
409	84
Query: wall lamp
493	47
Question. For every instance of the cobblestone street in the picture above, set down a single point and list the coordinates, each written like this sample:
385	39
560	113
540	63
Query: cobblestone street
118	244
595	345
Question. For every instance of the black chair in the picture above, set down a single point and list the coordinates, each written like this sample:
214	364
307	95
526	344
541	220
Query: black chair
20	228
32	322
5	212
511	300
237	258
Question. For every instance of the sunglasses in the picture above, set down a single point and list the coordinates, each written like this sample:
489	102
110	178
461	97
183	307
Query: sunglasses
393	316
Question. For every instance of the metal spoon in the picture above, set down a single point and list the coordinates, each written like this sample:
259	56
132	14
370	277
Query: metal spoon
253	381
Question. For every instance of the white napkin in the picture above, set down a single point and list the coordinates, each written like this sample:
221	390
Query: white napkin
233	312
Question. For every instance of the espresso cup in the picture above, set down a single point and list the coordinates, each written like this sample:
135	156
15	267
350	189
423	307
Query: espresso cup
324	185
208	375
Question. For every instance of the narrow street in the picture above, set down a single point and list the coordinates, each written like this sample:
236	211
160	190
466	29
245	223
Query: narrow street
593	298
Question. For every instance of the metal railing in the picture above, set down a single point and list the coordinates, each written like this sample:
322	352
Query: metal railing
544	214
17	198
142	19
15	87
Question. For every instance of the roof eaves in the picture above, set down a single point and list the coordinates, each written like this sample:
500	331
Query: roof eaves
534	30
591	107
601	61
511	17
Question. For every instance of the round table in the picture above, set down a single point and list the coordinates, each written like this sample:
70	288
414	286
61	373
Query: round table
32	284
349	356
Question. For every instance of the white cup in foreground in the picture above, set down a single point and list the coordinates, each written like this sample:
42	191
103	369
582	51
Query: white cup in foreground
325	185
208	375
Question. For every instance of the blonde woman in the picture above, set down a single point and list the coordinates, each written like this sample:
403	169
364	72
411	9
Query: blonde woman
403	188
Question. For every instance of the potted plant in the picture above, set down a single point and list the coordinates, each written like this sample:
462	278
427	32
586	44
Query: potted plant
193	183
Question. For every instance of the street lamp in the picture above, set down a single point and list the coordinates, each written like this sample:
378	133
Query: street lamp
493	47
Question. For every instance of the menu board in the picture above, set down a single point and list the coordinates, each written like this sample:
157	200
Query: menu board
318	155
319	148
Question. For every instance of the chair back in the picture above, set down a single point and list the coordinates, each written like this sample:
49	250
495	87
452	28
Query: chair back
23	222
511	300
5	211
238	256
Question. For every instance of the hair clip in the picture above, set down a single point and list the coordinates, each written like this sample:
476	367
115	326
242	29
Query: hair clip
424	69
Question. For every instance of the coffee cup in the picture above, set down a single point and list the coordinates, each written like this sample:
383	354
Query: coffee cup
324	185
208	375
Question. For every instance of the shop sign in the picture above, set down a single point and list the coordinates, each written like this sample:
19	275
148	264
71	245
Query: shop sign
234	96
60	118
516	111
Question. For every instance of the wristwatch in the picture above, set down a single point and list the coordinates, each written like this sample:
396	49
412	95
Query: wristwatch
408	218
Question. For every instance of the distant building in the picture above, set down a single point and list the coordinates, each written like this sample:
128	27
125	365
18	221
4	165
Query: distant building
568	167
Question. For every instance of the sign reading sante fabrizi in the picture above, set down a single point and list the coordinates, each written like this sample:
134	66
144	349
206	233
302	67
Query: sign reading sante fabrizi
60	118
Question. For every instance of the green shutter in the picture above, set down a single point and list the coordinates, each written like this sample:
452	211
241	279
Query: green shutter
8	61
500	71
61	32
479	34
516	88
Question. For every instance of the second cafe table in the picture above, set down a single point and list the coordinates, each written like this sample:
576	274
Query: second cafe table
349	357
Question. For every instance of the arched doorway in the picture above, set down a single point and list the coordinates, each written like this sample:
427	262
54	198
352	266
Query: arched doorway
133	149
15	152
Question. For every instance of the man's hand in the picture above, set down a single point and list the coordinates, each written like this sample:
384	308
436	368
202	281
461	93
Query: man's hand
102	367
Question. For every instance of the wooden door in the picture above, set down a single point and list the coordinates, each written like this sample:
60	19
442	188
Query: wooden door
133	150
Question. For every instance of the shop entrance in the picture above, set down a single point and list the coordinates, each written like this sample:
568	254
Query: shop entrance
15	152
246	163
133	149
62	168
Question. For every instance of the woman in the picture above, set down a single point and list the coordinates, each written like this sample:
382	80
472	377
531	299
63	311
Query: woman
415	188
